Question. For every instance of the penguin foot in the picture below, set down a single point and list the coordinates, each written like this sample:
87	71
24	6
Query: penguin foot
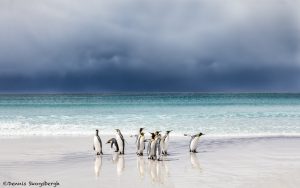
98	153
165	154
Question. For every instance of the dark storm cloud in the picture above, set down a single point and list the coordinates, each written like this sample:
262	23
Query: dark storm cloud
191	45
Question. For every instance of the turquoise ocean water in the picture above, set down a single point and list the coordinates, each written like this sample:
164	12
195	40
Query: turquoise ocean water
213	114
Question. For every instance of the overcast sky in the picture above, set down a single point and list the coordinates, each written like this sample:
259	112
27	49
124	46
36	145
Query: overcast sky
149	45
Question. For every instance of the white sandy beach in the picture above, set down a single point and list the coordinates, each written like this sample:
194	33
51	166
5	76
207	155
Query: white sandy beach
221	162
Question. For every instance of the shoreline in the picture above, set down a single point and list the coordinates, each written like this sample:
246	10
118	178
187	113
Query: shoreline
237	136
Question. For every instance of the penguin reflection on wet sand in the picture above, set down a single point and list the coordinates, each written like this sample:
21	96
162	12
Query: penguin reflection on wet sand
119	161
120	165
141	166
121	142
98	164
97	144
195	161
194	142
158	171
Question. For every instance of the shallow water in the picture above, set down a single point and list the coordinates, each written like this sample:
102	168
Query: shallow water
214	114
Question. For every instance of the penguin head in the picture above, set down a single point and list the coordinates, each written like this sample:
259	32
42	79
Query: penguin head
158	136
169	131
200	134
109	141
141	129
157	132
97	131
152	135
118	130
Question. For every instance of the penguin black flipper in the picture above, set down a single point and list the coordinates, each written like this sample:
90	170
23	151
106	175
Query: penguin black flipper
99	139
123	141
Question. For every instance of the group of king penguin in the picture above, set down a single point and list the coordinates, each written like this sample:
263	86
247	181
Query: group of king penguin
157	144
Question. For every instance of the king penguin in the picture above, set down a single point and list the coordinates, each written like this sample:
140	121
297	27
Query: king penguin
158	154
165	143
139	134
152	147
113	144
97	144
194	142
121	142
141	144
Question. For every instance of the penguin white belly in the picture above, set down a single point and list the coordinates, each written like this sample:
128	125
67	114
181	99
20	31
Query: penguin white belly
97	144
166	143
142	145
137	142
152	150
194	143
158	148
162	145
120	143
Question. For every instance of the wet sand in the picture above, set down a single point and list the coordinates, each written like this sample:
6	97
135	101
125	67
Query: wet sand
220	162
